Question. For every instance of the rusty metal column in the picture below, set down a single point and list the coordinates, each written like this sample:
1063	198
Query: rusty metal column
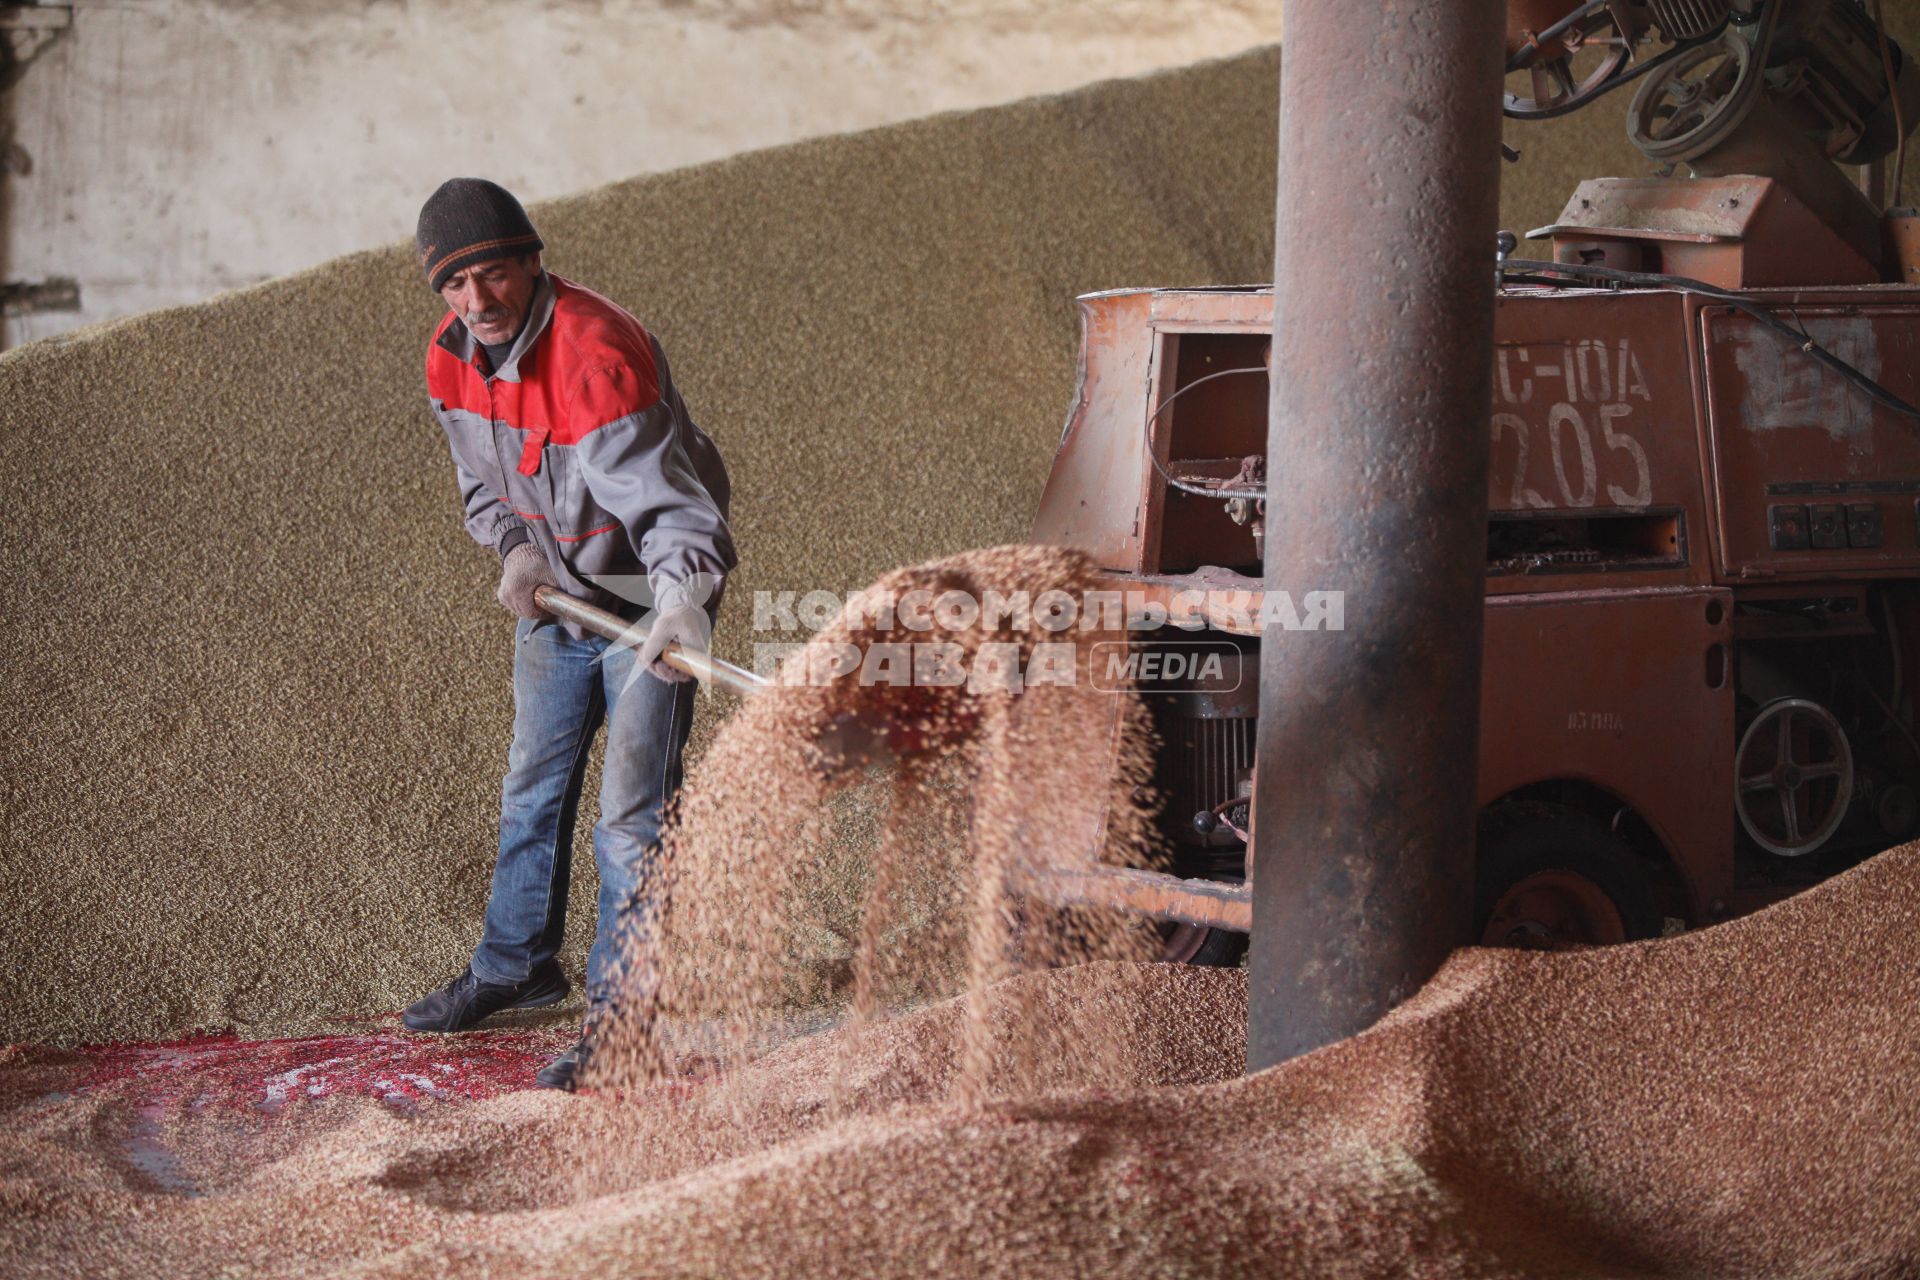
1377	458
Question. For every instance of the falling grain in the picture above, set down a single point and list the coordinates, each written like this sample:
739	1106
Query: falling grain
986	780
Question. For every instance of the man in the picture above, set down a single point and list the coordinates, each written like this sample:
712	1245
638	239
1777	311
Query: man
580	467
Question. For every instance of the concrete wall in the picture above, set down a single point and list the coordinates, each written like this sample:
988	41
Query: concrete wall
182	147
164	150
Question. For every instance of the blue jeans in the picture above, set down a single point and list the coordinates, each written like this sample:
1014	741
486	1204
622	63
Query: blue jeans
561	695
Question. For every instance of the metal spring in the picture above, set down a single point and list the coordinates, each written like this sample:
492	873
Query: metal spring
1687	19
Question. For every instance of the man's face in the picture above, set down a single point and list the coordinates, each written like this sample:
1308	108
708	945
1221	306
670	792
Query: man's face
492	297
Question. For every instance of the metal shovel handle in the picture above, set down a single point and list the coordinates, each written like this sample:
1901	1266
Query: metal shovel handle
846	743
701	666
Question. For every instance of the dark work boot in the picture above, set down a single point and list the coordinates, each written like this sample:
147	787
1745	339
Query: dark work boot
464	1001
564	1072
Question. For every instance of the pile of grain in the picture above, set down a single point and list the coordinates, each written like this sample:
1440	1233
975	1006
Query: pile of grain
1737	1102
258	701
258	689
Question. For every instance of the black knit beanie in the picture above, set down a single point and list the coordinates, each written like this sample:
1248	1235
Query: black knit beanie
471	220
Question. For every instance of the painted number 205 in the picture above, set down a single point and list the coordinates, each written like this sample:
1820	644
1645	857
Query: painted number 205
1576	472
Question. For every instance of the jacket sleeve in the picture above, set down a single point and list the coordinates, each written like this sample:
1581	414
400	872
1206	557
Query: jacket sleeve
490	522
636	466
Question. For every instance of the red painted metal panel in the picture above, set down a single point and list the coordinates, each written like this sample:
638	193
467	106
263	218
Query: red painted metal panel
1593	414
1091	499
1788	431
1612	688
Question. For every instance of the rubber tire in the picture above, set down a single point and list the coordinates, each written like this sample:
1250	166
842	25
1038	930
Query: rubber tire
1219	949
1565	841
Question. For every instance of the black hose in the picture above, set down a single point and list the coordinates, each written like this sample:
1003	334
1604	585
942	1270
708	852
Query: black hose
1520	267
1224	495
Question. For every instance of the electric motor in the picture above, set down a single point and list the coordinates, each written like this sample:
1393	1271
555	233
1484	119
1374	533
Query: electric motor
1687	19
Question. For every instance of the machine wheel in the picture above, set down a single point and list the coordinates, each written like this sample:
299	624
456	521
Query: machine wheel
1569	71
1695	101
1559	880
1794	777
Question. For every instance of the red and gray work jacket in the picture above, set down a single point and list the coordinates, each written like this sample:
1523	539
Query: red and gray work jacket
580	442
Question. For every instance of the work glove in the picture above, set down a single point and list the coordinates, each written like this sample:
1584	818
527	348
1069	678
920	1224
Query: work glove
676	620
524	569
